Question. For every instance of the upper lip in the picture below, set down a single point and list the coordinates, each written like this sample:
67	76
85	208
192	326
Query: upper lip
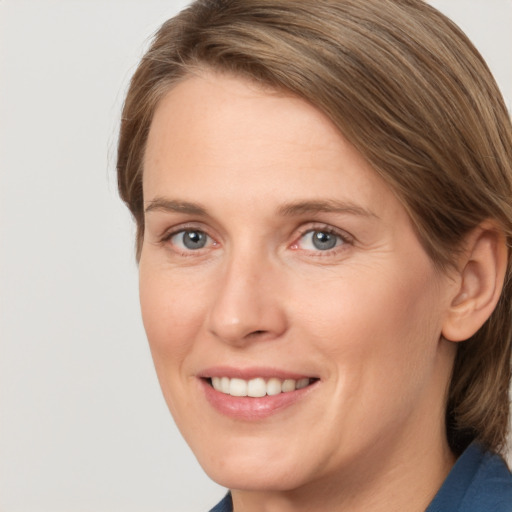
249	373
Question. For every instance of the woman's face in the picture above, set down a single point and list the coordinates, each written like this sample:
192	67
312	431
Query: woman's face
277	264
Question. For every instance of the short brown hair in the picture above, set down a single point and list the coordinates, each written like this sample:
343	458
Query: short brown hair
407	88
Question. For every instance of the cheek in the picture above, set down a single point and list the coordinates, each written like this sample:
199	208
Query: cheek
375	323
171	316
380	343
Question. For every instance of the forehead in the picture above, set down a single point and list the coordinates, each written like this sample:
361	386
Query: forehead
221	136
222	110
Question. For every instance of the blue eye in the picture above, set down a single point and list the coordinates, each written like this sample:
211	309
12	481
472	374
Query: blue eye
190	239
320	240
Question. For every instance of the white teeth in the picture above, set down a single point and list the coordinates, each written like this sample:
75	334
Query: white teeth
289	385
273	386
238	387
216	382
224	385
257	387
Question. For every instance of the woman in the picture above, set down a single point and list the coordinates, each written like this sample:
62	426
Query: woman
323	197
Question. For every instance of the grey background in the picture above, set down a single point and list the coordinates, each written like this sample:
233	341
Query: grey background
82	424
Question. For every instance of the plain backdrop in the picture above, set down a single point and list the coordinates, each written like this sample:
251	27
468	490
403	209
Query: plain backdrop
83	426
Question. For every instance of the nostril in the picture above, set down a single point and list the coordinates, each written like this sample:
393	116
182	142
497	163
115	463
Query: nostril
256	333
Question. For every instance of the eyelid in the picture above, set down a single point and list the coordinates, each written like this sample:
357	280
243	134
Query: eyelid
343	235
328	229
346	238
168	233
165	239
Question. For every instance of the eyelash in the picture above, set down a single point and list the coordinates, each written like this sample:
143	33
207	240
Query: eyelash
341	236
343	239
167	237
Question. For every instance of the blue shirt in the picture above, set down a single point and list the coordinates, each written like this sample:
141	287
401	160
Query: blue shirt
478	482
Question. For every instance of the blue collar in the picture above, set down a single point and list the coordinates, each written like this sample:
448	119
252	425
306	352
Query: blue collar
478	482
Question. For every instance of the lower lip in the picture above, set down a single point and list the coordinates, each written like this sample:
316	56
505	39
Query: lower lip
250	408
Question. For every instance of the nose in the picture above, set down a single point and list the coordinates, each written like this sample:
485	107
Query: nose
247	306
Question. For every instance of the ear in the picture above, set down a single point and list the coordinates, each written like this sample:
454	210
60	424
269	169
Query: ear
479	280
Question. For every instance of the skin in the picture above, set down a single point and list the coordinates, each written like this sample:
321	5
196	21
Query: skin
365	318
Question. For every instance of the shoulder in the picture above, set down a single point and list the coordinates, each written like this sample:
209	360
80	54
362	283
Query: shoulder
491	488
480	481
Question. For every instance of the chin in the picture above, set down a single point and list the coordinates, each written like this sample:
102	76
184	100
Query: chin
246	477
258	469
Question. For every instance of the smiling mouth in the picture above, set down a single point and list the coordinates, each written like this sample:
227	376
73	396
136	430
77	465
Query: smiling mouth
258	387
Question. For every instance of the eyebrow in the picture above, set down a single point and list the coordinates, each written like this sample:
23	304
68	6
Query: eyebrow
327	206
293	209
171	205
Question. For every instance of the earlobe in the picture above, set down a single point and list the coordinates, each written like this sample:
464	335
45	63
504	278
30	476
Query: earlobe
482	272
